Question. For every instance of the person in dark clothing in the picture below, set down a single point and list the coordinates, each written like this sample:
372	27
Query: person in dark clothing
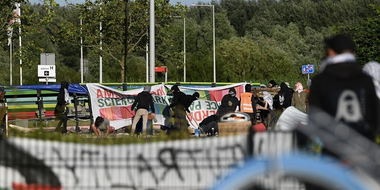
60	111
180	105
272	84
209	125
342	90
229	102
248	103
143	101
285	96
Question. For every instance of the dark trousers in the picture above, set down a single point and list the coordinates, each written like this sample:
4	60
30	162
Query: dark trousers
60	113
208	127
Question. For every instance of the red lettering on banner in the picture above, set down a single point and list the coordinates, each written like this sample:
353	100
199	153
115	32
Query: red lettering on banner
108	94
198	116
205	114
99	94
201	115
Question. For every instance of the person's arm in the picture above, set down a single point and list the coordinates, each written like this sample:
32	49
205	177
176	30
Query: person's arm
224	102
175	99
135	103
253	105
152	105
96	130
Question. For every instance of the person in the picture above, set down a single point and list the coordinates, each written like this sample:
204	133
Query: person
284	96
372	69
229	102
342	90
61	110
101	126
272	84
209	125
266	107
142	102
180	105
299	98
248	103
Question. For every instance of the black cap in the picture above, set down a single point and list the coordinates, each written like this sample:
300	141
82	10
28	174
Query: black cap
340	43
174	88
196	95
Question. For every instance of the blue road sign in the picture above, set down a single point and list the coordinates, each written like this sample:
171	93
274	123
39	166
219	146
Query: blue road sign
307	69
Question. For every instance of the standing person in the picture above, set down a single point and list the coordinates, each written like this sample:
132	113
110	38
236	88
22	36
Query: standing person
60	111
284	96
342	90
266	108
248	103
229	102
299	98
102	125
181	103
372	69
143	101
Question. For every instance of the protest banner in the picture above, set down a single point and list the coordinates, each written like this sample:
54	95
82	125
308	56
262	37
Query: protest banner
116	105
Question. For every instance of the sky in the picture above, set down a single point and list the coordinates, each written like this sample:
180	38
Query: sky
173	2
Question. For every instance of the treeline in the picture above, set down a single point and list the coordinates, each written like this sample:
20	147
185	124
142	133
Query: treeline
256	40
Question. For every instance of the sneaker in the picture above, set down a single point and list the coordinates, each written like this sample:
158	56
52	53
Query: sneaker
216	134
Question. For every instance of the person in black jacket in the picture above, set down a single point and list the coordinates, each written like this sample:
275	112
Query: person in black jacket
180	106
143	101
284	96
60	111
343	91
229	102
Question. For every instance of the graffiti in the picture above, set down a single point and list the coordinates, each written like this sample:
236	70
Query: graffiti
177	164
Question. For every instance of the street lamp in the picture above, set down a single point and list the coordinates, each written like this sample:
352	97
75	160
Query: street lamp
184	47
213	34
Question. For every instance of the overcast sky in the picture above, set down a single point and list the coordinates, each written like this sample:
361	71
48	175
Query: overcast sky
173	2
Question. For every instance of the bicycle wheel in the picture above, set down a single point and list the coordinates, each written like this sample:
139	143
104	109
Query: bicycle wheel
306	172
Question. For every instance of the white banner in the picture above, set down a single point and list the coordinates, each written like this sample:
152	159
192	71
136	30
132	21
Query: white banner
116	105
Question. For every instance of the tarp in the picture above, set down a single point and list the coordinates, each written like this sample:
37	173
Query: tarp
73	88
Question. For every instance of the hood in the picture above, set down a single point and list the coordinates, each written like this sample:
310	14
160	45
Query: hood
232	91
64	85
343	70
248	88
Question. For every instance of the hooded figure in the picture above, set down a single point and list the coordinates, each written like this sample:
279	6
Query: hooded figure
284	96
372	69
229	102
343	91
142	102
60	111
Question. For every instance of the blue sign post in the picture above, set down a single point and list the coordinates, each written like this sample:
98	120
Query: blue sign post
307	69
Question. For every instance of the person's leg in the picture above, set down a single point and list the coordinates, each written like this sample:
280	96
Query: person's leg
144	113
64	118
135	121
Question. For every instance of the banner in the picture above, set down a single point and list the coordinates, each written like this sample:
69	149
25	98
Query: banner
116	105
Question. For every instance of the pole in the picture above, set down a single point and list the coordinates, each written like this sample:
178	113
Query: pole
184	49
152	42
100	55
125	45
18	10
147	62
213	37
81	52
10	62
